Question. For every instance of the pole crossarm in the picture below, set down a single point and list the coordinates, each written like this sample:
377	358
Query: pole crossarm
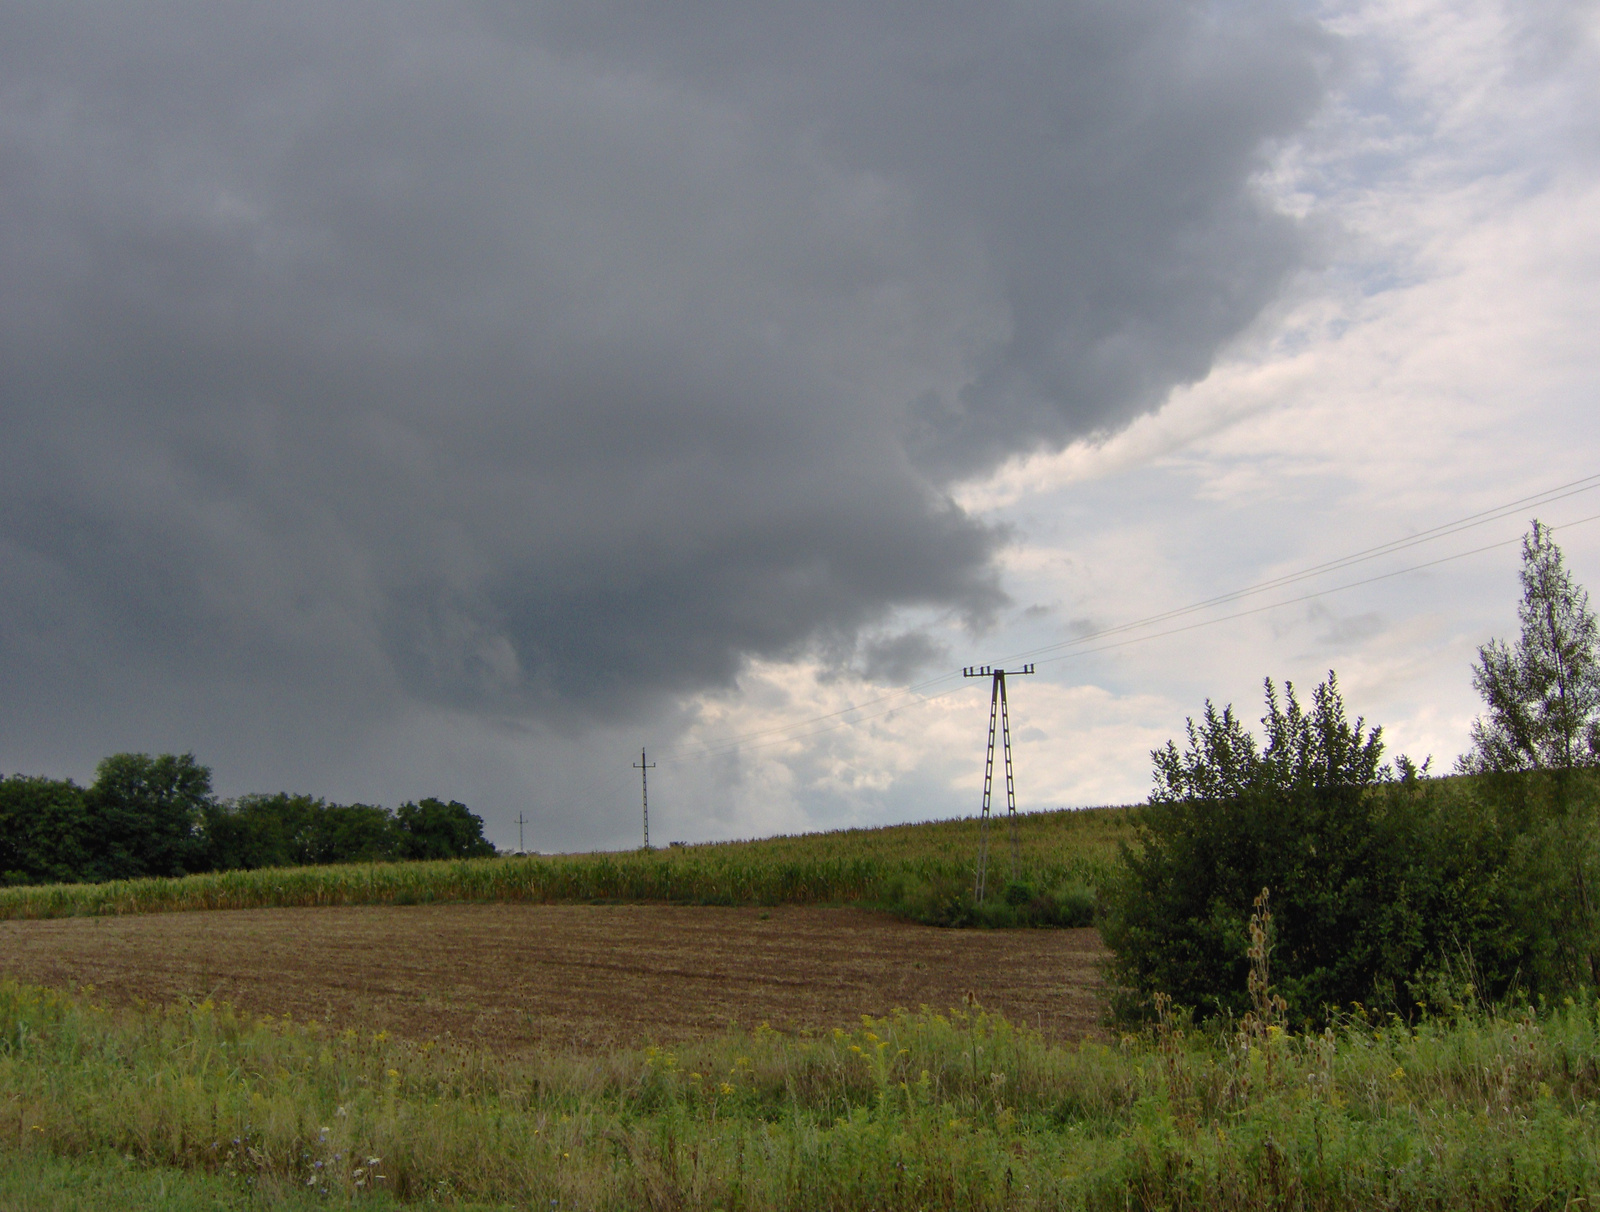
999	714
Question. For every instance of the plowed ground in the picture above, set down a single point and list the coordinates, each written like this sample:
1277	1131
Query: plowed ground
517	977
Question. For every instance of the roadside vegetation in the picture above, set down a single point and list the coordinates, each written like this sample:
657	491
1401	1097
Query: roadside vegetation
924	1109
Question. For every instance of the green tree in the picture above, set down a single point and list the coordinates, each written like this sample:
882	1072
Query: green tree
284	830
432	829
1543	695
42	831
145	815
1364	890
351	833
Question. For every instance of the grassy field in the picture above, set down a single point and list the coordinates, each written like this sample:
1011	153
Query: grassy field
923	871
194	1105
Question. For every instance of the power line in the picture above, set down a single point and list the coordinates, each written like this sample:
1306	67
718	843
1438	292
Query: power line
1460	555
1589	483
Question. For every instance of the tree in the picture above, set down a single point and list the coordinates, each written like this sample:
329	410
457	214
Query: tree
145	815
1543	695
42	829
431	829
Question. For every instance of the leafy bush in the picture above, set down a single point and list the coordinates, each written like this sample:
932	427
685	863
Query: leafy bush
1381	886
43	823
1538	834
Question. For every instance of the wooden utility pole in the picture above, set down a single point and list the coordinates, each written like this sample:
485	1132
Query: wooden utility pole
644	768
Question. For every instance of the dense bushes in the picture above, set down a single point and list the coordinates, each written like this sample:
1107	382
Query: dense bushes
157	816
42	830
947	900
1386	888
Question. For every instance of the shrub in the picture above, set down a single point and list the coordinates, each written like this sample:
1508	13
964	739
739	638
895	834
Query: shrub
1376	884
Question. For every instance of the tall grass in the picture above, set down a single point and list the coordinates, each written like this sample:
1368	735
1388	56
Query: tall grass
918	1110
924	871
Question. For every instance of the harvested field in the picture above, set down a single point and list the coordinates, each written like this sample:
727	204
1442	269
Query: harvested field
516	977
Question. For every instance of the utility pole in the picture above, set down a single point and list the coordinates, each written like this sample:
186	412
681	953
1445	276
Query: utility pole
521	849
644	768
998	712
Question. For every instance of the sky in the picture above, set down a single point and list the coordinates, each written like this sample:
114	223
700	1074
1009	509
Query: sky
405	399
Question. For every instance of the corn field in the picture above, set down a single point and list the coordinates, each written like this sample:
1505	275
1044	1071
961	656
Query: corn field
889	868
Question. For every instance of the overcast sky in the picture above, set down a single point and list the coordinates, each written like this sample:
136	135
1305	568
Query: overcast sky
407	399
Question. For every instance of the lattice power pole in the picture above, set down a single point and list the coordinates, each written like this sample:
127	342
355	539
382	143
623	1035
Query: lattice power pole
521	849
997	712
644	768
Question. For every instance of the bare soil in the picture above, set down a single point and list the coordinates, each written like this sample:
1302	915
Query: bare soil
587	976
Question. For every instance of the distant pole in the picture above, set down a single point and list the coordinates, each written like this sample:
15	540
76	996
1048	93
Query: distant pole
644	768
999	713
521	849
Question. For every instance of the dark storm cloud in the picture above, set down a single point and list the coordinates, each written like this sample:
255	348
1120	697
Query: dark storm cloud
515	356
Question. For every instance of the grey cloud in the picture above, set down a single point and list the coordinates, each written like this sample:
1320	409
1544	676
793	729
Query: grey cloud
899	658
517	357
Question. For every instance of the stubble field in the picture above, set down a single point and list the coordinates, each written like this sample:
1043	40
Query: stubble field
585	977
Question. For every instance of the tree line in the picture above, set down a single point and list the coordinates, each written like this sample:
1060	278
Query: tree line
156	815
1364	881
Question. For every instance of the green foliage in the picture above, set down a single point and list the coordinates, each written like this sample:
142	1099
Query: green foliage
915	1110
1377	886
150	816
432	829
145	814
1538	839
1543	695
42	830
286	830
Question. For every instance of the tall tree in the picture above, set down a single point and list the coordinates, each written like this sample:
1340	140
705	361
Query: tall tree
1543	694
145	815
